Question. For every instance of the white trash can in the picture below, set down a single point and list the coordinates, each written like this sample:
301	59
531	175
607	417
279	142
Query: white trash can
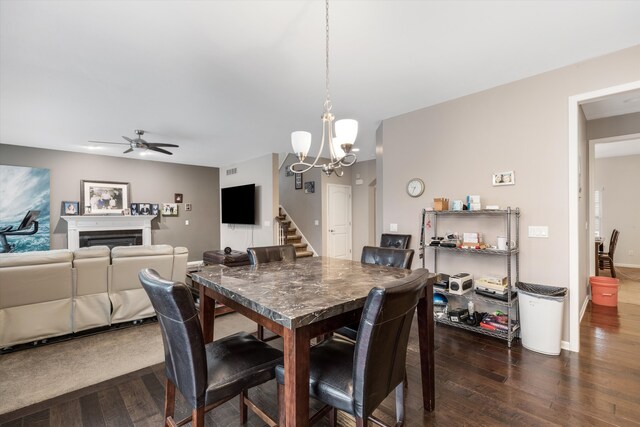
541	311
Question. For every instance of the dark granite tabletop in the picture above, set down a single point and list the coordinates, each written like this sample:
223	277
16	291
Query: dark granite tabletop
298	293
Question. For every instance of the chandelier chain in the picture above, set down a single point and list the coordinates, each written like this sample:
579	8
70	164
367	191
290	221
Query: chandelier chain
327	102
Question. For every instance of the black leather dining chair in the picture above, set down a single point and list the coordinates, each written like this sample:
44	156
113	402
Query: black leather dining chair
605	259
207	375
390	257
357	377
264	254
398	241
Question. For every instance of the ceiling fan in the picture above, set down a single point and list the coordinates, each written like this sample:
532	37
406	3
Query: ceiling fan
140	143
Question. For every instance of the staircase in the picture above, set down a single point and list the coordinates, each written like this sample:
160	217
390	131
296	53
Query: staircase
291	236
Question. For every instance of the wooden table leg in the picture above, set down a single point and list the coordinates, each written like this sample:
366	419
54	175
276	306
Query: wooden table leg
426	339
296	368
207	314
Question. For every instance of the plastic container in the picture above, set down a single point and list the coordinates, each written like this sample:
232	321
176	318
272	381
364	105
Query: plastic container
604	290
541	311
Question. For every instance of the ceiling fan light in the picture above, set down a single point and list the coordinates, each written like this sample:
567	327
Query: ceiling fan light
347	131
301	142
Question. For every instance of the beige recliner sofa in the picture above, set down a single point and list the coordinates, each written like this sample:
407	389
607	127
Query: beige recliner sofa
36	295
129	299
52	293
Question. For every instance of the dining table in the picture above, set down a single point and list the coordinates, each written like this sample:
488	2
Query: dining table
305	299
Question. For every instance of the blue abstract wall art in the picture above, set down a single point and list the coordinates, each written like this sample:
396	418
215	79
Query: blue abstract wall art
24	189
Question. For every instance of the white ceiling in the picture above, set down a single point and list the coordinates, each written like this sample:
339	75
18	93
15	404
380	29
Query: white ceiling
229	80
628	147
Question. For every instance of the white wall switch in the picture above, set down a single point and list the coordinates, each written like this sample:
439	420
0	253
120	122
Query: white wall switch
359	181
186	222
538	231
267	223
316	222
393	227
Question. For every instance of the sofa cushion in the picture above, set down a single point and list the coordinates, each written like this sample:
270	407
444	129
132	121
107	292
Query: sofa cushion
36	257
91	252
138	251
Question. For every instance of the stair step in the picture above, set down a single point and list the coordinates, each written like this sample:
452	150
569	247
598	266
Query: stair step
304	254
296	238
282	217
292	230
300	246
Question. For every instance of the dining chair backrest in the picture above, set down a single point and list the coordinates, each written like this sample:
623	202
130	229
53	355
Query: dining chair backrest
390	257
264	254
381	346
398	241
613	242
184	351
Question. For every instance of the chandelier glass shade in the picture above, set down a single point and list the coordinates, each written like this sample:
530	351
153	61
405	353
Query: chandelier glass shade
340	142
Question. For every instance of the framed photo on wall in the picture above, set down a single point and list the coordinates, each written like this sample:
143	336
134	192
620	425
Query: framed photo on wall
310	187
504	178
298	179
104	197
169	209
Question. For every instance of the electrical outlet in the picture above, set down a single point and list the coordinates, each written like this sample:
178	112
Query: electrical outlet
393	227
538	231
186	222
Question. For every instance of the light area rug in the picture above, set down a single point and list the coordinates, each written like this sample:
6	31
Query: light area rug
34	375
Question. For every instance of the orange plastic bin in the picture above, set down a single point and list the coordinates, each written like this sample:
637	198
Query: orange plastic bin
604	291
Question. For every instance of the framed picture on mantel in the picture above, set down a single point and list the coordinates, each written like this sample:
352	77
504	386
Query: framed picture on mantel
104	197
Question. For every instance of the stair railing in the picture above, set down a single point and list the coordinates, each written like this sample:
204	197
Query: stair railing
282	230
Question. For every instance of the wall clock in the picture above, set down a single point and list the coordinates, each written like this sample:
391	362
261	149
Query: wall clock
415	187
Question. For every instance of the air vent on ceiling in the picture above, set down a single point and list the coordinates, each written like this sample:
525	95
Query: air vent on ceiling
232	171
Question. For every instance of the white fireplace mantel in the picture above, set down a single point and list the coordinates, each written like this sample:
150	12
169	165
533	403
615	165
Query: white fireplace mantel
79	223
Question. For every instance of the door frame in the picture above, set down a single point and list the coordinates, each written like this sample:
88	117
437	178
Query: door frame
574	102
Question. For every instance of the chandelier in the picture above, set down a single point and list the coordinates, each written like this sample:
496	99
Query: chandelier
340	144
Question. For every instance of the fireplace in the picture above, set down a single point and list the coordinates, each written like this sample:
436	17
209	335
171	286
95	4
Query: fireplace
113	230
111	238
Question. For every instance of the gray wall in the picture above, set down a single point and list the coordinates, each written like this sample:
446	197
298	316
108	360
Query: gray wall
262	172
303	208
618	178
151	182
363	200
522	126
625	124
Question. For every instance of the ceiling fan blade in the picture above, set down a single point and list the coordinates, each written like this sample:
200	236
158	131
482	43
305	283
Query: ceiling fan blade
159	150
106	142
155	144
128	139
128	151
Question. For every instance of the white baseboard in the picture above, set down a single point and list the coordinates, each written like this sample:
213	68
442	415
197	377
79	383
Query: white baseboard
627	265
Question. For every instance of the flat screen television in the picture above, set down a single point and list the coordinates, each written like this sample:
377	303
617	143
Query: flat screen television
238	204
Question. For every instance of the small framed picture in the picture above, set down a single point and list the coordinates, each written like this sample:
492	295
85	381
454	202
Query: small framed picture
187	206
288	171
71	208
144	208
310	187
169	209
134	209
177	197
504	178
298	179
126	211
155	209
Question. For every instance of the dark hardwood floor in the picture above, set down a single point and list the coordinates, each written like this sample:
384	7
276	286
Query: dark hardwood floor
480	382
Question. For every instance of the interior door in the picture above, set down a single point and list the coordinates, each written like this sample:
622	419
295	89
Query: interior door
339	221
